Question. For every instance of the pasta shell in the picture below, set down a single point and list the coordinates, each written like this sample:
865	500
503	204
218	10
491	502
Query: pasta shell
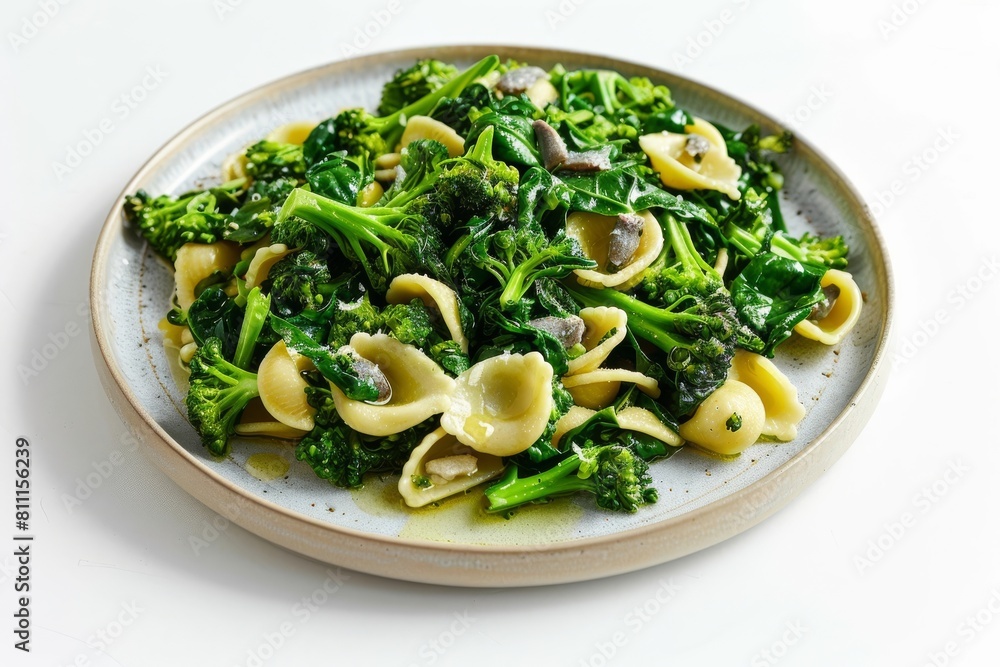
234	166
501	405
598	323
435	294
283	389
728	421
644	421
574	417
782	410
370	194
292	133
598	388
846	310
420	388
593	231
542	93
257	421
681	170
440	447
197	261
262	262
425	127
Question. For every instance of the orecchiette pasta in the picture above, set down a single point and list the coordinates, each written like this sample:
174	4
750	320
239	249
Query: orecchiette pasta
782	410
282	388
644	421
597	389
502	404
419	387
593	231
434	294
262	262
695	160
441	466
605	328
425	127
728	421
256	421
295	132
842	317
197	261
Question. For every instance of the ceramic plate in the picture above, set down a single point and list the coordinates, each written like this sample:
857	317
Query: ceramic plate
702	501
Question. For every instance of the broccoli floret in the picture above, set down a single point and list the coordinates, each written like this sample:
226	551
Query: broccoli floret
477	185
697	333
168	222
300	281
220	389
271	160
338	453
516	257
679	270
385	241
618	478
300	234
418	170
417	81
362	134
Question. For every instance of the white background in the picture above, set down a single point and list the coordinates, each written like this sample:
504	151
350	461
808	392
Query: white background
898	94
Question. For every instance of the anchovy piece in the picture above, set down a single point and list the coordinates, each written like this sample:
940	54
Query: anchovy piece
516	81
552	146
823	308
697	146
624	239
567	330
368	370
595	160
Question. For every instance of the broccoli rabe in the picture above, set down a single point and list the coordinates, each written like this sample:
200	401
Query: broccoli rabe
618	479
220	389
416	81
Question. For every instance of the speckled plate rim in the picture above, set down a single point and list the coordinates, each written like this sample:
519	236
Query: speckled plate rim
493	565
